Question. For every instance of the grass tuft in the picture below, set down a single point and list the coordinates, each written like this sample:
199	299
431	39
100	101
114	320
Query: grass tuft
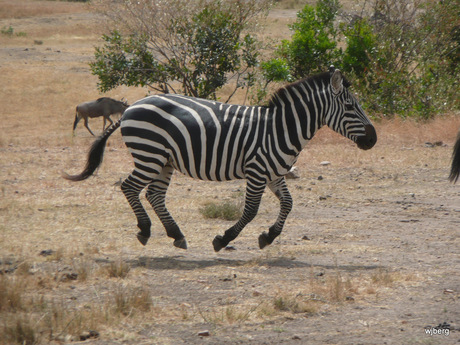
118	269
129	300
225	210
295	304
20	331
11	294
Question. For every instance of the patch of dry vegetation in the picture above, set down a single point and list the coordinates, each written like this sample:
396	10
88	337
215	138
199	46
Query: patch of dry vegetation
33	8
95	281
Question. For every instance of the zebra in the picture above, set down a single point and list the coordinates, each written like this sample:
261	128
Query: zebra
214	141
455	167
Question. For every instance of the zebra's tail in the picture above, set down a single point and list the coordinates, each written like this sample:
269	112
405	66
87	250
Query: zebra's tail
95	155
455	168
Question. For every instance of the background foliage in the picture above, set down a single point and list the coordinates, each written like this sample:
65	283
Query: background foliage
190	47
402	56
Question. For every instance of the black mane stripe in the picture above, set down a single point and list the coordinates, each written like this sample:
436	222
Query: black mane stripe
324	77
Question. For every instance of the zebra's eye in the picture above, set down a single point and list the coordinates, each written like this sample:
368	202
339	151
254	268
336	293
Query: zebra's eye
349	106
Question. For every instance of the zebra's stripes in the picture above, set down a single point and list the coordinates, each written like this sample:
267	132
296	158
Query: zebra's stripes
455	165
219	142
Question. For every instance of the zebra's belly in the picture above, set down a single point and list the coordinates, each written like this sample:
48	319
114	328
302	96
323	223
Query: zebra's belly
207	171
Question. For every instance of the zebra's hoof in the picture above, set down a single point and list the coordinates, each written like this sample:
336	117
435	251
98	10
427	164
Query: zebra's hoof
264	240
142	239
182	243
218	243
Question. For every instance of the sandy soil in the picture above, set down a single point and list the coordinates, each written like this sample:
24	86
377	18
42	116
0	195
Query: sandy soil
369	254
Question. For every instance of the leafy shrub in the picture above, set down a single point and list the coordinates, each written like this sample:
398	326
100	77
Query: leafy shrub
8	31
312	47
403	56
199	45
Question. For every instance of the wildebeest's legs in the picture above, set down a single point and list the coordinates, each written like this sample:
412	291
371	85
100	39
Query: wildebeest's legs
87	127
156	194
105	119
77	119
279	188
131	188
254	191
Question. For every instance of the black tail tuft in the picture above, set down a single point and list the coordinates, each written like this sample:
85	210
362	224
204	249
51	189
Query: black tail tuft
95	155
75	123
455	168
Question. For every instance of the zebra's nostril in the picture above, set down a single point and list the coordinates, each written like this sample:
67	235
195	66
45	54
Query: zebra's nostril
367	141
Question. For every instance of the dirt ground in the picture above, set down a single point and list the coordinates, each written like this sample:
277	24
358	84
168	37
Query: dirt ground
369	254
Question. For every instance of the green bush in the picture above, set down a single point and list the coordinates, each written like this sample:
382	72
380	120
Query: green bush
403	57
312	47
199	45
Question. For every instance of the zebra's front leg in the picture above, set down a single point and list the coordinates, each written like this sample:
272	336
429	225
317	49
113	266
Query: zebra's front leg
279	188
131	188
254	191
156	195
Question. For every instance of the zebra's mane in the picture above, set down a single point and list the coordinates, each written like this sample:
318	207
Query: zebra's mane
324	78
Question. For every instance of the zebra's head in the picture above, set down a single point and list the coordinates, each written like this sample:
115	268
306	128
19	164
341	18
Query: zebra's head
346	116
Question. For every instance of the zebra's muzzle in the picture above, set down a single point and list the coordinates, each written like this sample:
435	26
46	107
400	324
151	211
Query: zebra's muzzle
368	140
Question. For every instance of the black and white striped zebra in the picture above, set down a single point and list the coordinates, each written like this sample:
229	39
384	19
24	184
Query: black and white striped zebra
455	165
214	141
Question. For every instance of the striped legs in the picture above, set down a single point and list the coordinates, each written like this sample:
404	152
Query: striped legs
279	188
156	195
131	188
254	191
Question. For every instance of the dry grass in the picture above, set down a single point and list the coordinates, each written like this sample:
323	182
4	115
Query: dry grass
99	282
34	8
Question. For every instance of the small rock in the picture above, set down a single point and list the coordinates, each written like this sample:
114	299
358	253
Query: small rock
306	238
84	336
292	174
47	252
324	163
230	248
69	276
320	178
89	334
204	334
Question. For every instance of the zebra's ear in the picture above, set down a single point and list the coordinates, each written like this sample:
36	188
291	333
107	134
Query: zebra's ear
337	82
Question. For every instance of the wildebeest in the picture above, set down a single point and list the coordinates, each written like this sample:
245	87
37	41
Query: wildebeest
455	168
103	106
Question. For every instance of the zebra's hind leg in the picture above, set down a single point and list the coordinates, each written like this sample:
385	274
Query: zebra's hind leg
156	195
279	188
254	191
131	188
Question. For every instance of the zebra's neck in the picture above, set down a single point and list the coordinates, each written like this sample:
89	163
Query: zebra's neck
299	110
